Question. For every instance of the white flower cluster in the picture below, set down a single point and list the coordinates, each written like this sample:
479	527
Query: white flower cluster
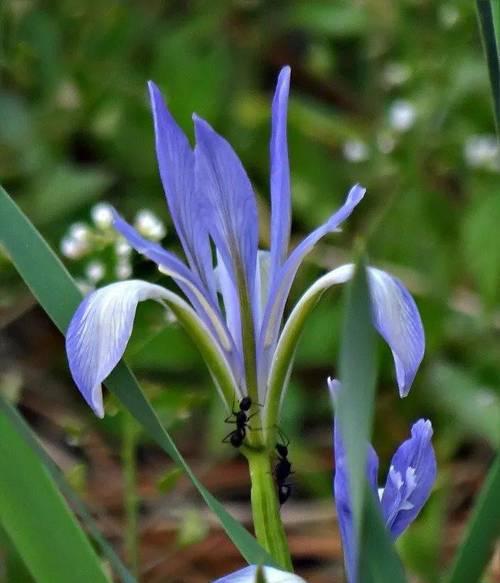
87	241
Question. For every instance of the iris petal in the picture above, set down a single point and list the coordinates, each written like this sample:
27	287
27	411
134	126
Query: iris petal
227	202
101	327
99	332
171	265
272	575
411	476
283	283
395	316
280	174
176	163
397	319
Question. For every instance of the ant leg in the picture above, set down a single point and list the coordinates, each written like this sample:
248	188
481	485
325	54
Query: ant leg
283	436
227	439
252	415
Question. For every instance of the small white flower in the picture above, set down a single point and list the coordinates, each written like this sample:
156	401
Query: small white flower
149	225
102	215
72	248
402	115
481	151
79	232
355	151
95	271
448	15
123	269
122	248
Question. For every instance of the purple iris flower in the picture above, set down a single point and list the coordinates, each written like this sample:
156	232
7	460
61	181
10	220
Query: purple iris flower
233	294
412	473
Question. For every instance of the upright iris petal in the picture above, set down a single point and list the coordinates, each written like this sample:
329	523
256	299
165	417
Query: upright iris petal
283	282
281	208
176	164
227	203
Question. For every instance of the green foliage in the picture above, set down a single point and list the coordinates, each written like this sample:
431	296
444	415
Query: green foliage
482	532
29	498
378	561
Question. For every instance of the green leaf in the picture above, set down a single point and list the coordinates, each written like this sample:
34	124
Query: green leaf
57	293
482	532
77	504
37	518
379	562
489	32
357	375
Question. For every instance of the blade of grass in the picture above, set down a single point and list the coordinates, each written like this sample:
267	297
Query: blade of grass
488	24
37	519
482	532
378	561
357	375
59	296
78	506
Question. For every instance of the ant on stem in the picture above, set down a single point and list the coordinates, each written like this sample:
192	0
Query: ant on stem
241	419
283	469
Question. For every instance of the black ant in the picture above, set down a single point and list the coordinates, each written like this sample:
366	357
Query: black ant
241	419
283	469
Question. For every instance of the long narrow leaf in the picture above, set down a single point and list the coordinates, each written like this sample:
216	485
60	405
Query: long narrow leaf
37	519
57	293
357	374
76	503
482	532
489	33
378	561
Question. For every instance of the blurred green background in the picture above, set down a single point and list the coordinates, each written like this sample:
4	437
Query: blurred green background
393	95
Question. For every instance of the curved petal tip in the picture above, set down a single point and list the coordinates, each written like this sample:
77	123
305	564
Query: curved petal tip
398	321
99	332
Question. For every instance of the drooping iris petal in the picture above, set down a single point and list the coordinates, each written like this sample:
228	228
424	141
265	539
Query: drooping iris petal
272	575
176	163
397	319
341	491
190	284
99	332
280	175
283	282
410	479
227	203
395	316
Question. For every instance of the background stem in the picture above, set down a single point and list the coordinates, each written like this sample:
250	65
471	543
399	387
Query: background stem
265	509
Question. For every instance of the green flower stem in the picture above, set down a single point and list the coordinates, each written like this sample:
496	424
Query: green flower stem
128	454
265	508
